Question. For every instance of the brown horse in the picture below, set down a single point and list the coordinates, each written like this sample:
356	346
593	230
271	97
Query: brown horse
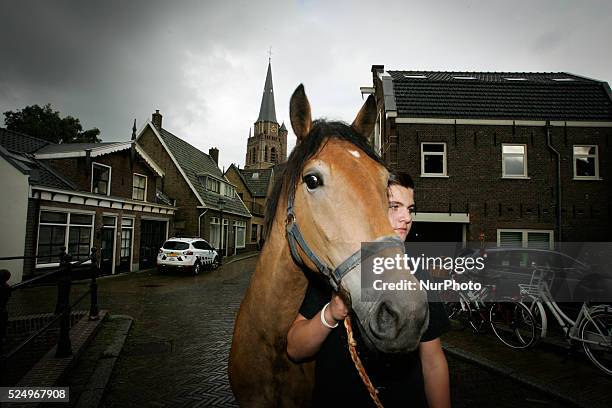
332	197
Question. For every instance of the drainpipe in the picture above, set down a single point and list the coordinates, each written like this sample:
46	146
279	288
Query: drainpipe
558	156
199	221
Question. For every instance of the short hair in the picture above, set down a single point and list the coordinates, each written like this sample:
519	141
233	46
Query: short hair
400	178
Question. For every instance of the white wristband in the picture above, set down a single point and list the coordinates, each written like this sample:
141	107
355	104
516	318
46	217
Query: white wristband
323	321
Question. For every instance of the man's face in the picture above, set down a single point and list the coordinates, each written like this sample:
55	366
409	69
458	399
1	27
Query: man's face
401	207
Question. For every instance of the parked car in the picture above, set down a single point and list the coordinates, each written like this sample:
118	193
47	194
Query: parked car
573	279
192	254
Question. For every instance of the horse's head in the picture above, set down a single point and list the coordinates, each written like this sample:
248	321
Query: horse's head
336	189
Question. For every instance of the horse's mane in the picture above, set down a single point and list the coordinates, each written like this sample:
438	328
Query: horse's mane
320	133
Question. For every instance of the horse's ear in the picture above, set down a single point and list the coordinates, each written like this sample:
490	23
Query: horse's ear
366	118
299	112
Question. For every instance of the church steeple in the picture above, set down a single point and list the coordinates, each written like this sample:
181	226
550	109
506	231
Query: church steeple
267	111
267	146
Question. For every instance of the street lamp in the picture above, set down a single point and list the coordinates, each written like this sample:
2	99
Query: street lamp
220	203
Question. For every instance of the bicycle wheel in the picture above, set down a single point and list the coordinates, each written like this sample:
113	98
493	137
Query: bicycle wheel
459	311
596	336
513	324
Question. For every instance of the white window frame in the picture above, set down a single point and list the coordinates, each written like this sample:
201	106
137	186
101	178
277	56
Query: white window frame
215	221
131	227
242	225
595	156
209	183
525	236
145	187
525	174
67	226
110	174
443	154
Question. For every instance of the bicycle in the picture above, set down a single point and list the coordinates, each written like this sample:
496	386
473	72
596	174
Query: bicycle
511	321
592	327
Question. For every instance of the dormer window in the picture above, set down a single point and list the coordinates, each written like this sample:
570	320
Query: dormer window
213	185
464	78
100	178
415	76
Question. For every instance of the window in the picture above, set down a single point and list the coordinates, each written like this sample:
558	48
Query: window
273	155
240	233
229	191
265	153
100	179
62	229
433	159
139	187
201	245
586	163
253	232
415	76
517	238
514	161
213	185
127	229
467	78
214	232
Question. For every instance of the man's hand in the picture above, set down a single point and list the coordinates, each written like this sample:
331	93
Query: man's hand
336	310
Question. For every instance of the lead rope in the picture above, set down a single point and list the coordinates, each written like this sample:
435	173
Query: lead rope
358	365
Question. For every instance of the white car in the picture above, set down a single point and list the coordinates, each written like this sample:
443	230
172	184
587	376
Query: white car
191	254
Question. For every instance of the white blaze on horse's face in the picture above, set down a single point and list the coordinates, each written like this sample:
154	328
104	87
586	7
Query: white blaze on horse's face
355	153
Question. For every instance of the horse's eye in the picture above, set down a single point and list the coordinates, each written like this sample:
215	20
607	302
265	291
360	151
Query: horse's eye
312	181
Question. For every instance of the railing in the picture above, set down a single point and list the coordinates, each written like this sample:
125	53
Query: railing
63	307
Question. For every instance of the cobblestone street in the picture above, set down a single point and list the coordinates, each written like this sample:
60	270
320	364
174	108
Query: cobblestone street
176	352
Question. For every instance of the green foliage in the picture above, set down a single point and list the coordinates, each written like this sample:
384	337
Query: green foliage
45	123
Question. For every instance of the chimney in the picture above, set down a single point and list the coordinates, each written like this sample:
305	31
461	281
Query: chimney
156	118
214	153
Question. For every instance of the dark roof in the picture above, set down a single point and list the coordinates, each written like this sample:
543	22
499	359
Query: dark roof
257	180
17	142
267	111
39	173
491	95
196	165
75	147
18	149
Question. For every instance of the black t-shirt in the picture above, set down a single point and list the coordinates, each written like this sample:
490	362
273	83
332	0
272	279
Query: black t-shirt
398	378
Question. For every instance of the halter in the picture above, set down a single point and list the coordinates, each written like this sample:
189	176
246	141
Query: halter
334	276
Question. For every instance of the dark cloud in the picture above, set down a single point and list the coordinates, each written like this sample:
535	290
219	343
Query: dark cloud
203	63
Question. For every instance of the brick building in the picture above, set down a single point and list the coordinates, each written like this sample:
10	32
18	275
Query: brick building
203	197
80	195
254	187
522	157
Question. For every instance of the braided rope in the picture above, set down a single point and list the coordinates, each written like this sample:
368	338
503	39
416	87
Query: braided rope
358	365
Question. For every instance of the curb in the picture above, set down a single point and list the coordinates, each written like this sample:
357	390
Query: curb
514	374
92	394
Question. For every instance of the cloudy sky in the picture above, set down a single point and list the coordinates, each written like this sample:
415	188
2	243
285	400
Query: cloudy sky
203	63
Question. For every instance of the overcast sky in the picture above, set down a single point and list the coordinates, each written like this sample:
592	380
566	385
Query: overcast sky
203	63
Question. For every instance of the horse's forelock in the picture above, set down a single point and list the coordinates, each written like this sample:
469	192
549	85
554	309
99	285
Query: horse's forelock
320	132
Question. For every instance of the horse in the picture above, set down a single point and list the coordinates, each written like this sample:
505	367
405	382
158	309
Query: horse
331	198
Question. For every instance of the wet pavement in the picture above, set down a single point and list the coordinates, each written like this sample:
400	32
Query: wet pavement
177	349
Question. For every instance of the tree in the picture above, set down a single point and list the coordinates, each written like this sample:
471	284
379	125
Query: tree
45	123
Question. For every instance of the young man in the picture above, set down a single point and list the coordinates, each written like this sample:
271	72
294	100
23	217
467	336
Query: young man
417	379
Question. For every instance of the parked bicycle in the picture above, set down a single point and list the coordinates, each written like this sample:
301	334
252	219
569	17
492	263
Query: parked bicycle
592	327
511	321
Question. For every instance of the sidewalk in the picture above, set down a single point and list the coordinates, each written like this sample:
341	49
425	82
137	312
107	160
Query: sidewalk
568	377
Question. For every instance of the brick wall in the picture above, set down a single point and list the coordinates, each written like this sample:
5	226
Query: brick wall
77	171
174	185
475	184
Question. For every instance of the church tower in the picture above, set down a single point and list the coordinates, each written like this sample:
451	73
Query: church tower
267	145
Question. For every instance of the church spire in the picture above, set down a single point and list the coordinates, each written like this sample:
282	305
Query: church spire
267	111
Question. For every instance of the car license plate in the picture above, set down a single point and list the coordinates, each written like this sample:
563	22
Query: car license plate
172	254
172	259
